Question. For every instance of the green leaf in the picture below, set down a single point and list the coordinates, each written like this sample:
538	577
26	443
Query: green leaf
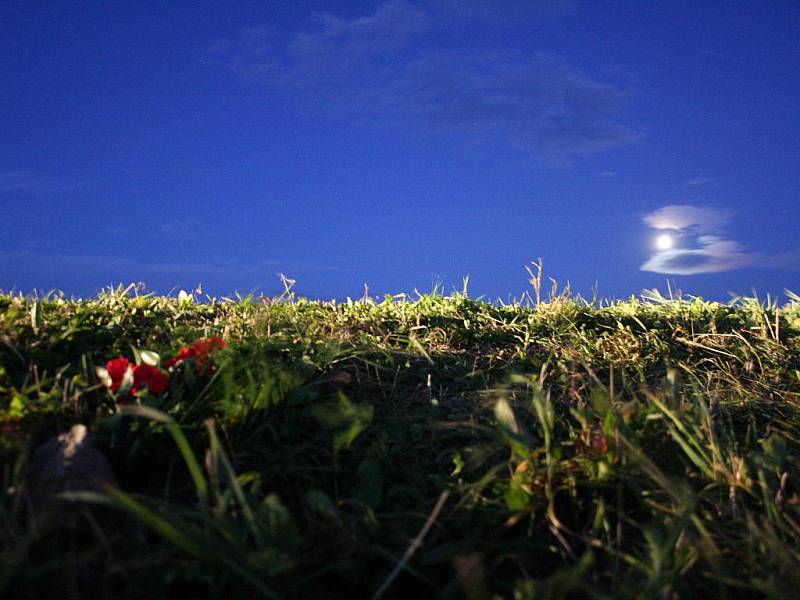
458	461
346	419
158	524
18	407
600	403
505	416
320	503
543	409
180	440
519	442
370	483
217	456
276	524
517	499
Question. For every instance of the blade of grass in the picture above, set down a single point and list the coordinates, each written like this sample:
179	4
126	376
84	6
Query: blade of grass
201	485
218	454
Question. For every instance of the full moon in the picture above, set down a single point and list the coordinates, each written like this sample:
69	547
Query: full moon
664	242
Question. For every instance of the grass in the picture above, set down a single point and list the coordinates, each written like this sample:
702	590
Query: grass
440	447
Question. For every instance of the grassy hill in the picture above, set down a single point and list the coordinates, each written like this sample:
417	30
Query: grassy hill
440	447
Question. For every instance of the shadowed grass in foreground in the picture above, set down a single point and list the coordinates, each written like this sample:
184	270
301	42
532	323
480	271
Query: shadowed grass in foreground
442	447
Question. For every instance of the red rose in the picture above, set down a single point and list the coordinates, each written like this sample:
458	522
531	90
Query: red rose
149	376
117	368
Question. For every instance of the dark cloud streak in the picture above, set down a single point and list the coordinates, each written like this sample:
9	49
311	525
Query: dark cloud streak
115	269
384	69
33	183
539	103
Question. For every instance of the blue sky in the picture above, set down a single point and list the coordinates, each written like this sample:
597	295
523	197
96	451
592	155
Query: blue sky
398	144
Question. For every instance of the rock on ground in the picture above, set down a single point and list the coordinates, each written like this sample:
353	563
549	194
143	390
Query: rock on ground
68	462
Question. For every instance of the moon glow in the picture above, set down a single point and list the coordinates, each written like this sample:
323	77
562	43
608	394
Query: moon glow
664	242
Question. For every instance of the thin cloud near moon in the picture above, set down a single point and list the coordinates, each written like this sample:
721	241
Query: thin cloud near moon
683	216
698	245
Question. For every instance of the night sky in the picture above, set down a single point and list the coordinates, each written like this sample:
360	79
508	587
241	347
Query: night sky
400	145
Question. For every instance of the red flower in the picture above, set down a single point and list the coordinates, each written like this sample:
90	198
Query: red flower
593	441
183	354
207	345
599	442
200	350
203	348
117	368
149	376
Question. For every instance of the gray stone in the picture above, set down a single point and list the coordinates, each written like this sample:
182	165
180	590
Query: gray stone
68	462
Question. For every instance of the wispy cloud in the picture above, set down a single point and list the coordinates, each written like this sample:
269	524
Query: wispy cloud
709	254
750	62
341	44
698	182
385	69
33	183
335	50
699	247
507	10
540	103
114	269
249	55
686	216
